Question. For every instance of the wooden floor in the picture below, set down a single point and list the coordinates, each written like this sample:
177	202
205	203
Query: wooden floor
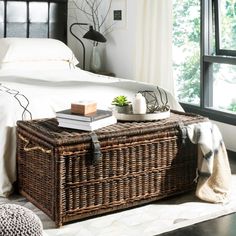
222	226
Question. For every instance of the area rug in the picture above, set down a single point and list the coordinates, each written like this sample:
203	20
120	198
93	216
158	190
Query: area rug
152	219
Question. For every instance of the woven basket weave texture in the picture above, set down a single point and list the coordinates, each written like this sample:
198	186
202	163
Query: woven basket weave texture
141	162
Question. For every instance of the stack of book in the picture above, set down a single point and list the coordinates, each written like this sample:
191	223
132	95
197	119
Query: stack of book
89	122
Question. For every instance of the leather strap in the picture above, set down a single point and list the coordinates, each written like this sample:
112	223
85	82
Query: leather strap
183	131
96	148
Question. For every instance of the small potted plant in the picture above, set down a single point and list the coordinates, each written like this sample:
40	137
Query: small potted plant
122	104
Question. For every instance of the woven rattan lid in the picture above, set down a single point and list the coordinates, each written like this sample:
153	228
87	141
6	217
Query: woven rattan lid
48	129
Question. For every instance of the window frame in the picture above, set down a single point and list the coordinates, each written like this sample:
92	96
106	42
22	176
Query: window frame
219	50
206	63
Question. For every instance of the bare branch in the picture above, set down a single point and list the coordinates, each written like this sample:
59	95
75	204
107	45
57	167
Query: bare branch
108	10
91	10
96	16
89	18
74	17
98	5
108	30
89	4
92	13
82	9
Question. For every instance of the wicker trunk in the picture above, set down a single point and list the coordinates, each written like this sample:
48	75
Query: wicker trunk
141	162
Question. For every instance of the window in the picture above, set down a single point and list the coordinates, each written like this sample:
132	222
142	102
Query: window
186	50
204	58
224	80
225	11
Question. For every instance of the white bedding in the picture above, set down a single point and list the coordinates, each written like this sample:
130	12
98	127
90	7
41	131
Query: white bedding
49	91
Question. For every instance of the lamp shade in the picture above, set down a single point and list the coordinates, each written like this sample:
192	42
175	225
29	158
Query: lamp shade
94	35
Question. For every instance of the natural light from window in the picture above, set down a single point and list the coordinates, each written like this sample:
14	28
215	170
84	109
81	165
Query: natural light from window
224	87
186	50
227	24
219	76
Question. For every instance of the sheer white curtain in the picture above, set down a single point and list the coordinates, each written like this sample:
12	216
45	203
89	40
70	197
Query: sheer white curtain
154	43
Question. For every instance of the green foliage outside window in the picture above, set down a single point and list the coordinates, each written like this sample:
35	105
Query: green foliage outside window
228	24
186	48
232	107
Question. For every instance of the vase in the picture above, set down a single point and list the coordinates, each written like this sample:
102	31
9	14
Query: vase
95	60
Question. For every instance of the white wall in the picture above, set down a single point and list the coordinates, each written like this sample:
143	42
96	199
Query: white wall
229	135
120	47
119	55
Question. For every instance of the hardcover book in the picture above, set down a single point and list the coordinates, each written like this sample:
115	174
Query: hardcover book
85	125
99	114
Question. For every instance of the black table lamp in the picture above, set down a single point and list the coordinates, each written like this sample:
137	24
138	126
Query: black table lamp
91	34
94	35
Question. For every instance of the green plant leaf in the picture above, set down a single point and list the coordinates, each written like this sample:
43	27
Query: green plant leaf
120	101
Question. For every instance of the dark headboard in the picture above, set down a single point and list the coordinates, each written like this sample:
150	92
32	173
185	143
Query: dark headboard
34	19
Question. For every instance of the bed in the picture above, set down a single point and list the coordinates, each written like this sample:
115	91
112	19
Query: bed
39	76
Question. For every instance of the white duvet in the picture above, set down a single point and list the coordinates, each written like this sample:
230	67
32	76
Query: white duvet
49	91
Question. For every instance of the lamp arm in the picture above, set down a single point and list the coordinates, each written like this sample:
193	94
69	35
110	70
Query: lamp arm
79	41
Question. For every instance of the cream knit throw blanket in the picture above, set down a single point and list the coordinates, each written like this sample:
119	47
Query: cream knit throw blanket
214	172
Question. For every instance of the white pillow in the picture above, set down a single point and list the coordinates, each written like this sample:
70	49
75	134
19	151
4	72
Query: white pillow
23	50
